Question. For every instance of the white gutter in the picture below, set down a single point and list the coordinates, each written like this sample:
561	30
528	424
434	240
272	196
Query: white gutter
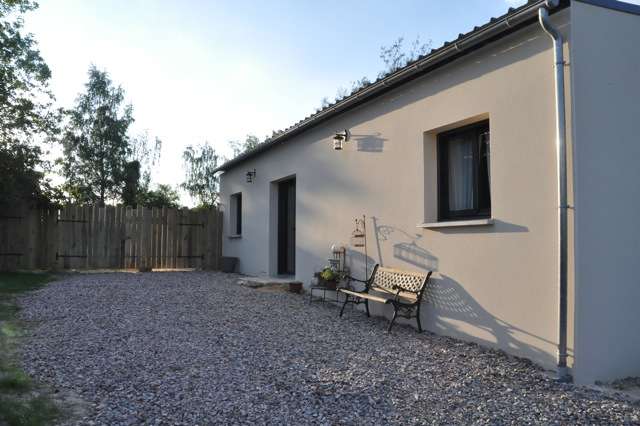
561	146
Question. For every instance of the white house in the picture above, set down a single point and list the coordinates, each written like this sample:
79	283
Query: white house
458	162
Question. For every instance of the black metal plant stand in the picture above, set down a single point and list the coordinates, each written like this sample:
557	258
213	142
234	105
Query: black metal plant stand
323	290
338	264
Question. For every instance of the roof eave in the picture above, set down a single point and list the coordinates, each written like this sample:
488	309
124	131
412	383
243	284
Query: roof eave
464	44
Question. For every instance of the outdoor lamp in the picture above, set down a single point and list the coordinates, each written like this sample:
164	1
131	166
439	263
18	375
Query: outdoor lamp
251	175
337	248
339	138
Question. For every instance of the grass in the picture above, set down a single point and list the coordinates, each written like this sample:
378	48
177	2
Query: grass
22	403
38	410
19	282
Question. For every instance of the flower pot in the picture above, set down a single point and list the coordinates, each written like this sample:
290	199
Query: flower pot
331	285
295	287
228	264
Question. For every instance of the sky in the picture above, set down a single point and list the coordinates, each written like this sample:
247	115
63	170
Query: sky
217	70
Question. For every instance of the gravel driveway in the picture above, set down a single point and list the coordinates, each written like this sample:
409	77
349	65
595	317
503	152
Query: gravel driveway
195	348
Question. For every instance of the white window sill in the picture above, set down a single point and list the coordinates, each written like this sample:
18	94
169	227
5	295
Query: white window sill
234	237
457	223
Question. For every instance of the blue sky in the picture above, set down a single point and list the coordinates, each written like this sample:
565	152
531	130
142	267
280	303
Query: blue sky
217	70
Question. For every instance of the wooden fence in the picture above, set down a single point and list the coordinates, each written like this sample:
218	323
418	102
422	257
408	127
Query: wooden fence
92	237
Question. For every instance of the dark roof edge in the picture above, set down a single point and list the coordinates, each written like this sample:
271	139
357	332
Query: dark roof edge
464	44
615	5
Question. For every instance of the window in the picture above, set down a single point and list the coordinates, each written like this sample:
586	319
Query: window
236	214
464	173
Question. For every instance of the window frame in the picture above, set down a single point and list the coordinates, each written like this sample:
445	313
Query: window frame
236	214
445	214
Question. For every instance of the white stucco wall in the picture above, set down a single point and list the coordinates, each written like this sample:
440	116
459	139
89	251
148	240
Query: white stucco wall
605	64
495	284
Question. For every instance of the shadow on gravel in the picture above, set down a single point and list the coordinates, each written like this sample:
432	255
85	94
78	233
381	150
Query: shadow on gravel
195	347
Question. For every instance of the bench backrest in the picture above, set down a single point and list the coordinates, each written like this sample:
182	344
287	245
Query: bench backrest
410	284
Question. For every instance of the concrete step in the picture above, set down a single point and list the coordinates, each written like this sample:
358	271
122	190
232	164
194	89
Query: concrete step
259	282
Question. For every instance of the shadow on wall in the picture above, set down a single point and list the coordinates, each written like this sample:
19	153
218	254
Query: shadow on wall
447	301
369	143
358	263
450	300
408	251
498	227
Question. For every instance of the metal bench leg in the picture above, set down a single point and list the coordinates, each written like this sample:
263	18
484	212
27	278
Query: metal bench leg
346	300
395	314
418	319
366	305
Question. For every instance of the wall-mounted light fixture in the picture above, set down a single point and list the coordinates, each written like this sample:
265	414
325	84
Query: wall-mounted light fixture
251	176
340	138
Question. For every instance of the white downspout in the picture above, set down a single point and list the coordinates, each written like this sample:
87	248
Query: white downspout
561	145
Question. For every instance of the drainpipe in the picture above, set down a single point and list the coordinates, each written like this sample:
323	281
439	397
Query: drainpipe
561	146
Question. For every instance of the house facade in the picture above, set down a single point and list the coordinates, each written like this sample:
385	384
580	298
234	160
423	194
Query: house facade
453	163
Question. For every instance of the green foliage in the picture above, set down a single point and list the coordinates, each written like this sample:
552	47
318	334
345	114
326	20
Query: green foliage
25	98
27	117
146	155
30	412
137	171
131	190
393	57
397	56
240	147
17	282
200	181
95	141
18	163
162	196
14	380
21	401
328	274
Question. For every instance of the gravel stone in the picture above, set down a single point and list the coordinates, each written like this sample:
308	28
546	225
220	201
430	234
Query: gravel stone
189	348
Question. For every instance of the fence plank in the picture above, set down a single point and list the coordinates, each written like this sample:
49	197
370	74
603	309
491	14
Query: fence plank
85	236
128	250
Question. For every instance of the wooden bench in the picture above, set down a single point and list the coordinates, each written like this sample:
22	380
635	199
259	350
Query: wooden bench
401	289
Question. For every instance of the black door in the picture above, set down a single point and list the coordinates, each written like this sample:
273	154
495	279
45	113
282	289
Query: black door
287	227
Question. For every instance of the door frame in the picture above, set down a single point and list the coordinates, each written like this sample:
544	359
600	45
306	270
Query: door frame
287	227
274	212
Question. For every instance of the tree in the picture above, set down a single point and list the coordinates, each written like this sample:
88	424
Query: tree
359	84
324	102
342	92
200	181
21	180
27	117
250	142
146	155
137	171
396	56
162	196
96	142
131	190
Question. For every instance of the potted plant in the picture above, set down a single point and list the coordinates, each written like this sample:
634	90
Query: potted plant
328	278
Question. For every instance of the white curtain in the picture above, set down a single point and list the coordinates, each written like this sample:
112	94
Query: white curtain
460	174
